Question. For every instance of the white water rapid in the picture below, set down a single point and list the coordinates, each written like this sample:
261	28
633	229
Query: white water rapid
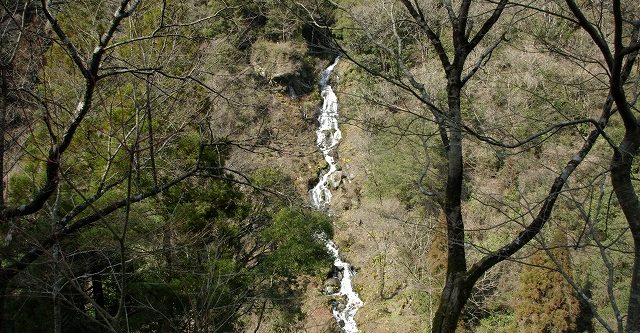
328	136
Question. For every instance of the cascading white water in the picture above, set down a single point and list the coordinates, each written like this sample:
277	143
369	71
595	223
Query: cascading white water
328	136
344	313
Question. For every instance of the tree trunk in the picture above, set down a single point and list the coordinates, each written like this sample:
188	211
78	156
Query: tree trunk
6	326
56	288
633	313
621	165
456	291
97	289
454	296
3	121
456	257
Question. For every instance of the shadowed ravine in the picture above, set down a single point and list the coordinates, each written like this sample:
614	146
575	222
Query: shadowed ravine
328	136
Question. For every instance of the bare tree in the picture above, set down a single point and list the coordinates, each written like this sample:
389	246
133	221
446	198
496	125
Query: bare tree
474	35
614	30
129	160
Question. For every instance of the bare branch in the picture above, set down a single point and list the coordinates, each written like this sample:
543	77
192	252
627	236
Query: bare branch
8	272
551	128
70	48
433	37
596	36
576	288
483	59
487	25
544	213
162	26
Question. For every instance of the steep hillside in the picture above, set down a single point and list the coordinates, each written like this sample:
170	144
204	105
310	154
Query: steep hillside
157	159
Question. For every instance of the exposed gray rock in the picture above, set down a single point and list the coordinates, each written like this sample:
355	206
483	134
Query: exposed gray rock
331	286
335	179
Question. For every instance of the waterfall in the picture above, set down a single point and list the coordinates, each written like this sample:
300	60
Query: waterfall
328	136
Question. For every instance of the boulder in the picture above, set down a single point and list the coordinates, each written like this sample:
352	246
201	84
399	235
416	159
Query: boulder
283	63
335	179
331	286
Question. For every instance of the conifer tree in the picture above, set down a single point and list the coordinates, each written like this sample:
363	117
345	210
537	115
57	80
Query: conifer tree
547	302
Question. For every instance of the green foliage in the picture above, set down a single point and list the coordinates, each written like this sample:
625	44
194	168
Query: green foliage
205	250
242	251
212	157
497	323
396	161
277	58
547	302
200	253
274	20
275	180
21	187
296	247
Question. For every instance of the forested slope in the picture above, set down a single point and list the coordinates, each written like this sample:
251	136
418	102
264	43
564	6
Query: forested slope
157	158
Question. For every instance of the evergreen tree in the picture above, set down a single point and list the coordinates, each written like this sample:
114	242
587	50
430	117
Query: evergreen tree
547	302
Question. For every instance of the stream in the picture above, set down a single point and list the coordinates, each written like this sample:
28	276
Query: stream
346	301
